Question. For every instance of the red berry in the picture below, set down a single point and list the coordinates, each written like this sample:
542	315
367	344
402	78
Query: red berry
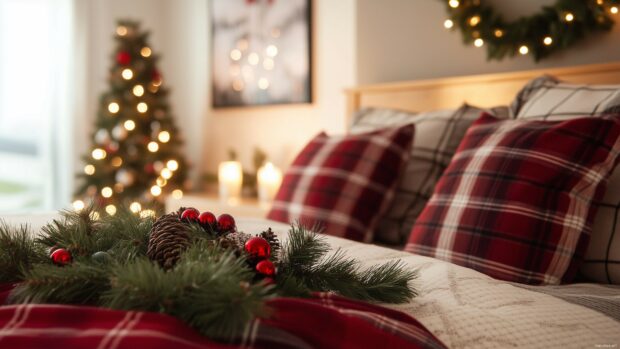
226	222
207	218
258	247
266	268
61	257
190	214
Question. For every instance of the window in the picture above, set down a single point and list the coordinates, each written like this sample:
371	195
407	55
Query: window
33	41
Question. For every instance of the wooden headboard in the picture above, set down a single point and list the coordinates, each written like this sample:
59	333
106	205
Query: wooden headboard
486	90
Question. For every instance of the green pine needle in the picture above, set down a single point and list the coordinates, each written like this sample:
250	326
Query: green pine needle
17	252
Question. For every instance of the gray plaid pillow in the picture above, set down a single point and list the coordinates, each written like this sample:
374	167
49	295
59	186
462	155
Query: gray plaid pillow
437	136
546	98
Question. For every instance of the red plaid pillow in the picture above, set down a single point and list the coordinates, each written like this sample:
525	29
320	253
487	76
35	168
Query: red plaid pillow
343	183
516	201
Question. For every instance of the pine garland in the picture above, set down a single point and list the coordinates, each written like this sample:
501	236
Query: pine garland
553	29
211	287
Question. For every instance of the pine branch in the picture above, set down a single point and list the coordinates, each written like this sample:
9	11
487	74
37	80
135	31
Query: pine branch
209	289
389	282
17	252
78	283
303	249
75	232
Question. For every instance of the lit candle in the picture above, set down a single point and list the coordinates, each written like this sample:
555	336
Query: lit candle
269	179
230	178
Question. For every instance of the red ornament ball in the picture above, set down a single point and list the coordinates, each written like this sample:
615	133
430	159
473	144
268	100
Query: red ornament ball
258	247
207	218
226	222
190	214
266	268
123	58
61	257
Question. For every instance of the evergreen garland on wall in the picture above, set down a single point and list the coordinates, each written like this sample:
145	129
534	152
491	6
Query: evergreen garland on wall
553	29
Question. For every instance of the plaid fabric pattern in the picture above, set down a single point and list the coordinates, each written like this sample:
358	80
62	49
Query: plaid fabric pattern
438	134
342	184
516	201
326	321
546	98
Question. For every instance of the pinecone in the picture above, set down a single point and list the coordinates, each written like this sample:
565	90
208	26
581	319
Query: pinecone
169	237
235	241
273	241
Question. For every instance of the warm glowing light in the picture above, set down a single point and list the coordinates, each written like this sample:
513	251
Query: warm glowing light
135	207
145	52
478	42
117	161
524	50
155	190
153	146
121	30
89	169
253	58
138	91
271	50
569	17
166	173
230	180
164	136
95	215
106	192
448	24
127	74
172	165
498	33
129	125
599	2
268	180
161	182
235	54
263	83
177	193
613	9
268	63
78	205
548	41
474	21
142	107
111	210
147	214
113	107
99	154
453	3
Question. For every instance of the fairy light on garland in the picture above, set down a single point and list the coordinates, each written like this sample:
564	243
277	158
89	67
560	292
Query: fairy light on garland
553	29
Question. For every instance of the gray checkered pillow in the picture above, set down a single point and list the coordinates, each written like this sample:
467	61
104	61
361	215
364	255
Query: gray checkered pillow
546	98
437	135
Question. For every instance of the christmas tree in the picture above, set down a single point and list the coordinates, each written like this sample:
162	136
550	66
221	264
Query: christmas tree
135	158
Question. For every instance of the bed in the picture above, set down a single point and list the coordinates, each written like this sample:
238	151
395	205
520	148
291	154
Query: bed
461	307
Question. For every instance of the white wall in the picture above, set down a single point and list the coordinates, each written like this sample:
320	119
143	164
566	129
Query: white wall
405	39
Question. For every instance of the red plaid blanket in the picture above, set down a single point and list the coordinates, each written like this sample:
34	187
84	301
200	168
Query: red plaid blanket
325	321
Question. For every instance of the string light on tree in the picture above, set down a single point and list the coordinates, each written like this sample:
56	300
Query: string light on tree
547	40
142	107
98	154
121	30
153	147
448	24
164	136
172	165
524	50
129	125
117	161
106	192
166	173
613	10
113	107
160	181
78	205
138	91
478	42
498	33
155	190
89	169
474	21
145	52
453	3
569	17
177	194
127	74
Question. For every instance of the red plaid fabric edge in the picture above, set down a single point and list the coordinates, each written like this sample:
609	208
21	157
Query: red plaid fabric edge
324	321
516	201
343	183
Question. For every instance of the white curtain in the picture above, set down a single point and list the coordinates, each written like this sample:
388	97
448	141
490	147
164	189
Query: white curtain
38	79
